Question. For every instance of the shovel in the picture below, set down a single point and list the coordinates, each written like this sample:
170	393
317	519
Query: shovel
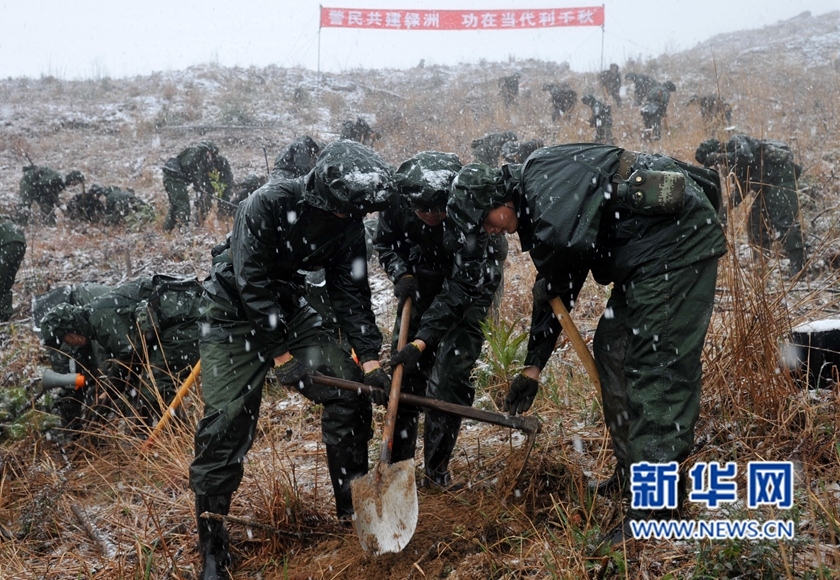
385	500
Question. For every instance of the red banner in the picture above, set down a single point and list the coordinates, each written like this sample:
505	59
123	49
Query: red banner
461	19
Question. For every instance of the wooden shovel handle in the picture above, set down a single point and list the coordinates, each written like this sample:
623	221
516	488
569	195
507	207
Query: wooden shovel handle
577	342
396	381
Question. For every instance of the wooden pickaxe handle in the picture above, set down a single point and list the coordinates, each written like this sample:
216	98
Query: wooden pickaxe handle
182	392
577	342
528	424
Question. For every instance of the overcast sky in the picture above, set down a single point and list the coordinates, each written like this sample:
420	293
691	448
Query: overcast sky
73	39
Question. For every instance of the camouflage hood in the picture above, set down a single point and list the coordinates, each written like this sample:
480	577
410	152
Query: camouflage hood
74	177
350	178
425	179
705	149
298	157
63	319
476	190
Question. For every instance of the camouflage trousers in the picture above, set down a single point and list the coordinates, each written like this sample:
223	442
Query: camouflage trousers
647	348
11	255
233	372
178	191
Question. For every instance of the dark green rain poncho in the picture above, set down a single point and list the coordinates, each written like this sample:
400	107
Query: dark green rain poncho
455	288
663	270
256	309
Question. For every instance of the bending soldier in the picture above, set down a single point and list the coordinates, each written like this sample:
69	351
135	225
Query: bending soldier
713	109
43	185
207	171
509	89
359	131
601	119
487	149
140	337
451	292
611	82
299	157
12	250
642	84
245	188
656	108
256	317
517	152
576	212
563	99
766	168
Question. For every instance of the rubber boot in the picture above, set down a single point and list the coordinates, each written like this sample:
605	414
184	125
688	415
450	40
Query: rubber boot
213	540
439	437
345	464
614	483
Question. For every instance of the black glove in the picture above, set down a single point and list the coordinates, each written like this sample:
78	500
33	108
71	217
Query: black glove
521	394
409	356
292	373
379	378
405	287
541	293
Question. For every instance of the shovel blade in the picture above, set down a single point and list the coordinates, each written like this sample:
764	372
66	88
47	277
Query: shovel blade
385	502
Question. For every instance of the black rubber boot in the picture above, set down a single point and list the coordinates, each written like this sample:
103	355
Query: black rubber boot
614	483
346	463
213	537
439	436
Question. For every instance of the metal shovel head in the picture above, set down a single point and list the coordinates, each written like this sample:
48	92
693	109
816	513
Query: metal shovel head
385	502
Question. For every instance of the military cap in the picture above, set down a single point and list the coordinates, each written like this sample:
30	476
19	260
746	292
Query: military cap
425	179
350	178
63	319
476	190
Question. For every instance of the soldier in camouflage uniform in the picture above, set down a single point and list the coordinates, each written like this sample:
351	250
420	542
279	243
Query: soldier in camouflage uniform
257	317
611	82
563	99
295	160
43	185
488	148
207	171
518	151
298	158
360	131
246	187
64	357
148	324
12	250
509	89
713	109
573	209
451	297
766	168
655	108
642	84
110	204
601	119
